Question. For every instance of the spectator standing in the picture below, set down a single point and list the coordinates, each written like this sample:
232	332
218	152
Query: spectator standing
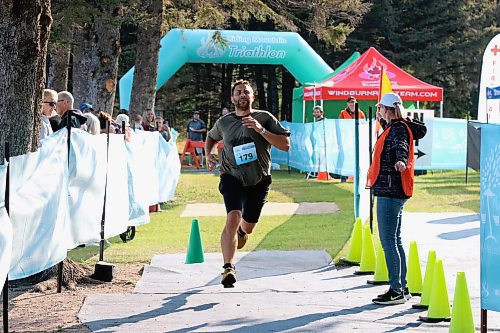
86	107
64	104
195	129
148	123
137	126
391	178
48	110
92	124
104	120
318	113
348	112
165	131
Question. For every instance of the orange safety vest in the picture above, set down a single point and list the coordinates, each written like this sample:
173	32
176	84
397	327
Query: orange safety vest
406	176
344	114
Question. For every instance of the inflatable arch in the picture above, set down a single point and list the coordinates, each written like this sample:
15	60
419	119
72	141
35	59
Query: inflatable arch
244	47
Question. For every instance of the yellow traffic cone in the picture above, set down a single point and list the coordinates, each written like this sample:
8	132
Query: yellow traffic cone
462	320
381	274
439	305
426	289
354	255
414	274
368	257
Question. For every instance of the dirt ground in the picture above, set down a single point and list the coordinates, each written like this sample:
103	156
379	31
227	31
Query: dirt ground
48	311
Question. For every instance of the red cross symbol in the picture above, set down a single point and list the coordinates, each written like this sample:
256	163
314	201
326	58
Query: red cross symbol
495	50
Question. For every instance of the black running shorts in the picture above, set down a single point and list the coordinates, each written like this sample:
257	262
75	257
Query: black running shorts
248	199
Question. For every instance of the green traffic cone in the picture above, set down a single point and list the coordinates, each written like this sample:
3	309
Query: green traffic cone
426	289
368	256
195	247
439	305
381	275
414	273
354	256
462	320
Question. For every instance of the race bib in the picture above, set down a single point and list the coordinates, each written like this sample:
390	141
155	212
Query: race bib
245	153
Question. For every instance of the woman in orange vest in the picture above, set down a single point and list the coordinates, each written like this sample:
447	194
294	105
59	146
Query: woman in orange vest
391	178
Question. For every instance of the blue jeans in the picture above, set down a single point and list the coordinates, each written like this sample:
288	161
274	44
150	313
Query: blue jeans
389	211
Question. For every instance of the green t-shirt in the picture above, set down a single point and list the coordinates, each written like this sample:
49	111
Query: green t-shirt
232	133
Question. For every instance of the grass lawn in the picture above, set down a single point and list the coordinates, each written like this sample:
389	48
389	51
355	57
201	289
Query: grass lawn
169	233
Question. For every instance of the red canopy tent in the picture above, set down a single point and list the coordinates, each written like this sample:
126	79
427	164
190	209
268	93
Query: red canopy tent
361	80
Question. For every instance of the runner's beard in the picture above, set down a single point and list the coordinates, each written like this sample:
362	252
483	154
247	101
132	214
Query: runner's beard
243	105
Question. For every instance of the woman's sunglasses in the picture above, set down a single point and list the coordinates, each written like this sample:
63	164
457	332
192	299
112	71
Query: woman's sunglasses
52	104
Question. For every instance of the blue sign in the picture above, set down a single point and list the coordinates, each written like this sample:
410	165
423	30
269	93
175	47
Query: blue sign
329	146
493	93
490	217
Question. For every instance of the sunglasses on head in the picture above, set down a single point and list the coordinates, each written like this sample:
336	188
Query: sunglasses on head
52	104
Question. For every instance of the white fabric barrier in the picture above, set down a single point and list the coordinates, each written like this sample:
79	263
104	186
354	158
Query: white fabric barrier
5	229
38	207
54	207
87	174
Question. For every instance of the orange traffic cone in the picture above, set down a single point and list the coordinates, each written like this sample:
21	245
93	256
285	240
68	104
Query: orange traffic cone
323	175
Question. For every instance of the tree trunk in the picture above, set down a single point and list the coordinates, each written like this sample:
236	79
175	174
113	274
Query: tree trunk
261	91
105	61
59	50
146	62
83	69
25	24
226	88
241	72
272	91
57	76
287	86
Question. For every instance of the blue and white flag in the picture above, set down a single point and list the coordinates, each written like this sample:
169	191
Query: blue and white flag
490	217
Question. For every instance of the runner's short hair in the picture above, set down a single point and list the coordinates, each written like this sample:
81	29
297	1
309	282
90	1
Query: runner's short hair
238	82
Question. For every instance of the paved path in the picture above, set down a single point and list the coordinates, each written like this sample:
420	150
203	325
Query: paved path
270	209
286	291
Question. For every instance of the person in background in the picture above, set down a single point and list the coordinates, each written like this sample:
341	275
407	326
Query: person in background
104	120
49	103
195	129
225	111
318	113
86	107
119	120
391	179
165	131
93	125
348	112
64	104
148	123
137	125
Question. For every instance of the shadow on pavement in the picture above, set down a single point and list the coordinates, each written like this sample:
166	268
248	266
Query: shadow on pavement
456	220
